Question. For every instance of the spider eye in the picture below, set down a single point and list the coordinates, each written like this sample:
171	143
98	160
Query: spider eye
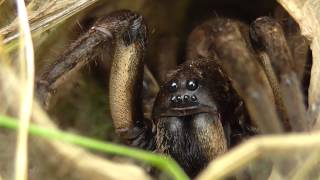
173	87
192	85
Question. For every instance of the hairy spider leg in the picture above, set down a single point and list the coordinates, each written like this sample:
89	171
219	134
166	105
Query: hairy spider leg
81	52
269	37
236	122
126	87
229	45
127	32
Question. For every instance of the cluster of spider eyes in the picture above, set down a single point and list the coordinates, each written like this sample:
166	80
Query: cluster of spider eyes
190	85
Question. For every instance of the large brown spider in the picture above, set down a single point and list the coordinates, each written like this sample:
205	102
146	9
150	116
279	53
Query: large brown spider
198	113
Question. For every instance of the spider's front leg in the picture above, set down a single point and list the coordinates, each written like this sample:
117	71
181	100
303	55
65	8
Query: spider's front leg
126	87
104	32
127	32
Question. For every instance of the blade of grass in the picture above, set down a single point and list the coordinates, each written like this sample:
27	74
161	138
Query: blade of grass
160	161
26	60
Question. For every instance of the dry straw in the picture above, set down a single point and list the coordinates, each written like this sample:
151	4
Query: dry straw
26	61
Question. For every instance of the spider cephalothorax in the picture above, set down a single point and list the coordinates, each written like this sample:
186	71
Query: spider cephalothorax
199	111
187	114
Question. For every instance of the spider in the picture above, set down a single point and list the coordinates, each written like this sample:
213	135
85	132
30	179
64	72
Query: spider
237	81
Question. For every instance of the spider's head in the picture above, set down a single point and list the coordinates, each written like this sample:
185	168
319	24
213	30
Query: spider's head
188	118
185	93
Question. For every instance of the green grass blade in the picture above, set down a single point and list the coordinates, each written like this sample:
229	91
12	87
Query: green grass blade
160	161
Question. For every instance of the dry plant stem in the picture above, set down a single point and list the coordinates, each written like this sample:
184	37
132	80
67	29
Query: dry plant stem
256	148
26	58
302	171
314	94
306	13
42	20
233	53
268	34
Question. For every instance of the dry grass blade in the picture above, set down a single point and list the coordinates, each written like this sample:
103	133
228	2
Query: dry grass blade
45	16
304	169
26	60
255	148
